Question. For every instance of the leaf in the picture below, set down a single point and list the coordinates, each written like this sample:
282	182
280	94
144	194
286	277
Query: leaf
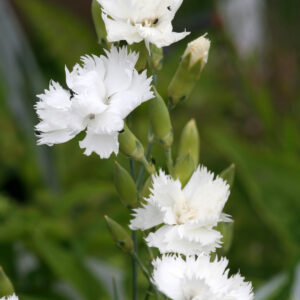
272	183
64	36
68	267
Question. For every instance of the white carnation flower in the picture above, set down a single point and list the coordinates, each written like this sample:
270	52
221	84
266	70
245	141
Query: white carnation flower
199	279
137	20
188	215
103	91
12	297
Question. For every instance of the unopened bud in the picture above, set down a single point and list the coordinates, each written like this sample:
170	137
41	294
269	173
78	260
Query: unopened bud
160	121
189	141
119	235
6	287
125	187
145	193
143	52
189	70
130	145
99	24
198	51
184	168
228	174
156	58
226	229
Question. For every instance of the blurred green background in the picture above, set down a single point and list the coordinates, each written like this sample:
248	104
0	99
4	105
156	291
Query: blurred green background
53	240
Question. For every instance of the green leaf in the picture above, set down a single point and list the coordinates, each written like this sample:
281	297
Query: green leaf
68	267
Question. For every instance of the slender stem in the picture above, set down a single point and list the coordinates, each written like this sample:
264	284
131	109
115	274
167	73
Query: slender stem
115	289
148	292
132	169
135	249
149	168
134	267
142	169
168	153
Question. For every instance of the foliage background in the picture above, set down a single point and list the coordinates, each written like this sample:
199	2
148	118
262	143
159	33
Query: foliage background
53	240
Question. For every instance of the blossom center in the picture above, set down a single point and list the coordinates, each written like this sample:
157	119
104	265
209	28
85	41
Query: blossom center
151	22
184	212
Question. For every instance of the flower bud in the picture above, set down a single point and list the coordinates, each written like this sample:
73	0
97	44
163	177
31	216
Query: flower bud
189	141
130	145
184	168
145	193
143	55
6	288
125	187
160	121
99	24
189	70
156	58
228	174
226	229
119	235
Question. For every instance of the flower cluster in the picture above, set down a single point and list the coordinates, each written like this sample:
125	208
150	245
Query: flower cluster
100	95
189	216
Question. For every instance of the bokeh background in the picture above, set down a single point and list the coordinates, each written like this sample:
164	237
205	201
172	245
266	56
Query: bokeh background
53	240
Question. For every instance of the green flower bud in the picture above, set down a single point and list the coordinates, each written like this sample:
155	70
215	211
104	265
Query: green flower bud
125	186
189	141
156	58
160	121
145	193
119	235
228	174
143	55
99	24
184	168
189	70
6	287
130	145
226	229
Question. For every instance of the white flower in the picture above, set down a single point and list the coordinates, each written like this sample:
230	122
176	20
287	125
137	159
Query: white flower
103	91
198	49
199	279
188	215
12	297
137	20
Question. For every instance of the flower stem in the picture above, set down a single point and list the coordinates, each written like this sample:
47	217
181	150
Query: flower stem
168	153
135	248
142	170
149	168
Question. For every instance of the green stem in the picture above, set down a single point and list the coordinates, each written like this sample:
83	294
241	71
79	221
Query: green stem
135	248
149	168
168	153
142	170
116	295
134	267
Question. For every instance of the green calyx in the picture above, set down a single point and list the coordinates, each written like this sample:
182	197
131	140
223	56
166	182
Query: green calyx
228	174
143	52
184	168
184	80
160	121
130	145
125	186
6	287
99	24
190	141
119	235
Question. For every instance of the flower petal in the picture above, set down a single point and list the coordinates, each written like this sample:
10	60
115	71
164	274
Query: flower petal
139	91
102	144
146	217
119	66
